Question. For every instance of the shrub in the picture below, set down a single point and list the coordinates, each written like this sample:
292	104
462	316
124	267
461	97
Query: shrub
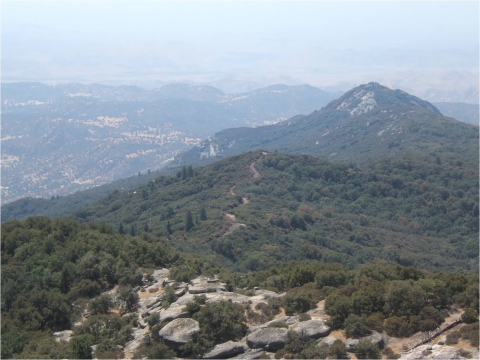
470	316
356	327
453	338
127	298
375	322
221	322
169	297
338	350
153	320
397	326
304	317
278	324
100	305
470	333
297	304
390	354
367	350
160	351
81	347
255	318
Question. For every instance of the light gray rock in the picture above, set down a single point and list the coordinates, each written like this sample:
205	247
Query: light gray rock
292	320
213	297
179	332
138	339
199	280
180	292
64	335
286	319
266	294
312	329
326	342
270	339
376	338
226	350
250	354
154	302
160	275
226	296
442	340
173	312
351	344
436	352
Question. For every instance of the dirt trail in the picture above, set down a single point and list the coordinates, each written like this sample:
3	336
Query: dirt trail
232	223
231	217
255	172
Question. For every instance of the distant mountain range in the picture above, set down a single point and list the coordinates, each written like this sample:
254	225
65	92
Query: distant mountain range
464	112
366	124
68	137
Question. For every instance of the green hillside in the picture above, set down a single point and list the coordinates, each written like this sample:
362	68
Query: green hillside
260	209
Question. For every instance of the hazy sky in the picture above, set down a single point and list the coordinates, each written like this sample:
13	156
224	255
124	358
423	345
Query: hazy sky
339	24
75	40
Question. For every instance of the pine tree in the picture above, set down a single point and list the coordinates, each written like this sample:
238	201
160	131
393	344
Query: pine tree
184	172
132	231
169	228
188	221
121	230
203	214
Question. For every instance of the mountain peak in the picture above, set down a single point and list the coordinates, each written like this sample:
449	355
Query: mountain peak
367	97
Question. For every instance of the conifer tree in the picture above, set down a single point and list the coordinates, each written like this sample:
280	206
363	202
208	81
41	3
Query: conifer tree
203	214
188	221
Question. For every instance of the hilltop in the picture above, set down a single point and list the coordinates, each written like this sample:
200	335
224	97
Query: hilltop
366	124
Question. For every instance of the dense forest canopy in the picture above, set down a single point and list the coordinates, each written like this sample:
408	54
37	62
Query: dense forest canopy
409	210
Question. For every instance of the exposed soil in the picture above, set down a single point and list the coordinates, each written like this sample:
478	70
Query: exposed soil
147	294
231	228
256	174
232	224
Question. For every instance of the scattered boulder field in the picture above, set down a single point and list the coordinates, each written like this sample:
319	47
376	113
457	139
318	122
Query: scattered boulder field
261	340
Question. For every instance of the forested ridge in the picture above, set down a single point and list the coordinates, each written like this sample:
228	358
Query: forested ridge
409	210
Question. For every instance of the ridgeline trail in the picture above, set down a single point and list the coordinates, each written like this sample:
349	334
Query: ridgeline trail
232	223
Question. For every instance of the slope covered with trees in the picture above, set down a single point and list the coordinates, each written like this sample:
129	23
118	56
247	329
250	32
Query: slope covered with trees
420	211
